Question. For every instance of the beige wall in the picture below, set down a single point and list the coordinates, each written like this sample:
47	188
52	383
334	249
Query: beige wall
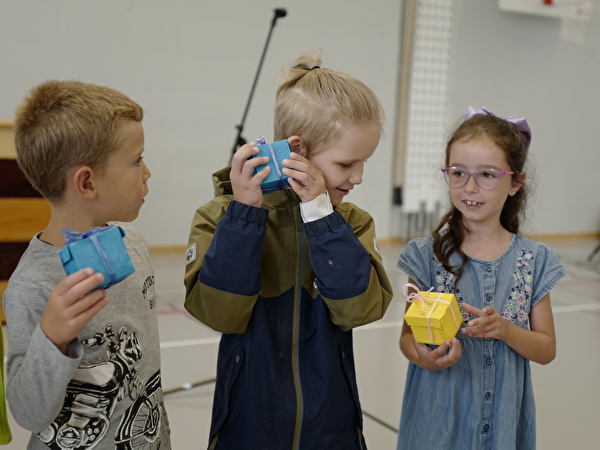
7	146
190	65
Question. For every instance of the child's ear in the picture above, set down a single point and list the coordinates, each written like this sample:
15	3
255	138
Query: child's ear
297	145
517	182
83	182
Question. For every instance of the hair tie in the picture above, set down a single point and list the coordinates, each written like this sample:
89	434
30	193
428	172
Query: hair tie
315	67
519	122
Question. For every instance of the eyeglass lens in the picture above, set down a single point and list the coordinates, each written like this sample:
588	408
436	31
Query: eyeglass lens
485	178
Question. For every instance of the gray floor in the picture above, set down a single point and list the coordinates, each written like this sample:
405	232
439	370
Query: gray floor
567	390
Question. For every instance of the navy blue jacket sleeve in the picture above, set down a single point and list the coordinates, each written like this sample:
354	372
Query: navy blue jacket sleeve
340	261
228	238
236	248
350	274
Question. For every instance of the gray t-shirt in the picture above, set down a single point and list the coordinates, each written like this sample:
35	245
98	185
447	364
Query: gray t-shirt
108	387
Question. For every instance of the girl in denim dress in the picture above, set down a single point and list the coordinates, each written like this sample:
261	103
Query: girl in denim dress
474	391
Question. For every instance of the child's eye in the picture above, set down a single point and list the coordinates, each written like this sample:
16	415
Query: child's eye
489	174
139	161
346	166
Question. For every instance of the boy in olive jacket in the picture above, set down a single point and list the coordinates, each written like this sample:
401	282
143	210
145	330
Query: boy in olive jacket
285	276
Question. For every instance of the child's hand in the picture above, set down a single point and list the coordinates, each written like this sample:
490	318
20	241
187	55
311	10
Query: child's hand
245	185
71	305
439	358
305	179
488	324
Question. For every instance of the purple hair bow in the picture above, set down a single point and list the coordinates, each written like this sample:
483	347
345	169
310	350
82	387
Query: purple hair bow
519	122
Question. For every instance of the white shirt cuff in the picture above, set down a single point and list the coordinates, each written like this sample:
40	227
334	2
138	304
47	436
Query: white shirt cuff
317	208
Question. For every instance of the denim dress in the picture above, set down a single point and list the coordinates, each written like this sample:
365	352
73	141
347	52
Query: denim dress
485	400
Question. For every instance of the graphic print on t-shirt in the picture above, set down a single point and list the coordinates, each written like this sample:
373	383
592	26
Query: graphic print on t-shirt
94	392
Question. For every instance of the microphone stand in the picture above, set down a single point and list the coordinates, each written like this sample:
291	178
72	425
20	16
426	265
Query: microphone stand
239	140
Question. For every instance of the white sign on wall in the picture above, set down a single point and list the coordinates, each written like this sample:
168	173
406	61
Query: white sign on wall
574	14
553	8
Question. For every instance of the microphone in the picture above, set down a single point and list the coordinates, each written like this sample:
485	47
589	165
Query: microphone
279	12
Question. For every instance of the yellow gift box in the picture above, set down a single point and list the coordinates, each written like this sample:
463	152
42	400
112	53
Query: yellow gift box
433	317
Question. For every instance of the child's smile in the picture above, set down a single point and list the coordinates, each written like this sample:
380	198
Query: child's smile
343	163
476	204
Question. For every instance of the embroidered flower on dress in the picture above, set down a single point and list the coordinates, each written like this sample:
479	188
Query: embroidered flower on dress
517	307
445	280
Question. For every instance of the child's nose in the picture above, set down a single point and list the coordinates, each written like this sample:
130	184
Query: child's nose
147	173
471	185
357	174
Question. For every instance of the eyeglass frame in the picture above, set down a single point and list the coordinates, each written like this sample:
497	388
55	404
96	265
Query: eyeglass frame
500	173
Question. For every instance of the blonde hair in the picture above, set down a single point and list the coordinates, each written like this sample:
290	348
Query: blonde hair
317	104
63	124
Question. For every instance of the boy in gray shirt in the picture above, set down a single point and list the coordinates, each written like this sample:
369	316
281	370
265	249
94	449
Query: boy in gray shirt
83	368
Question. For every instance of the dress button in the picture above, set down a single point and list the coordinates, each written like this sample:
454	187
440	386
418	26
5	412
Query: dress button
488	395
489	361
488	297
486	428
488	267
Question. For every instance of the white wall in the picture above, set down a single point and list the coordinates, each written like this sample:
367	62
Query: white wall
190	64
517	64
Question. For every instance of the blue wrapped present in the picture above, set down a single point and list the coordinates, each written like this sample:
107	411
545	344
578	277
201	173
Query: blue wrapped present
102	249
276	152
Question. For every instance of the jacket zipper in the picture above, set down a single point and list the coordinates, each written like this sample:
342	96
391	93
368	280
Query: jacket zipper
296	332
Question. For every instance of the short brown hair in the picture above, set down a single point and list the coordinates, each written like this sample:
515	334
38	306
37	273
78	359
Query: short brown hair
63	124
317	104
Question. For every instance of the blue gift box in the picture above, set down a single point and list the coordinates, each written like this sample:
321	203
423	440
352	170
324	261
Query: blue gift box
102	249
276	152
